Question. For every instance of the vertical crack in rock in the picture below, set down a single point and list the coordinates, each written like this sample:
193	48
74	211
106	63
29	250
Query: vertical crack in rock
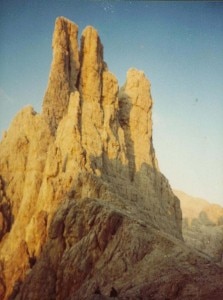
64	72
90	88
135	117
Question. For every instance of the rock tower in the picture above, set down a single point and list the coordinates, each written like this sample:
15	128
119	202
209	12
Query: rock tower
83	205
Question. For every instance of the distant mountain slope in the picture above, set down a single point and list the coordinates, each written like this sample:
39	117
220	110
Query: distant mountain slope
202	224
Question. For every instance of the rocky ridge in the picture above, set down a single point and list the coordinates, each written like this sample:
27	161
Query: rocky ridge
84	209
202	225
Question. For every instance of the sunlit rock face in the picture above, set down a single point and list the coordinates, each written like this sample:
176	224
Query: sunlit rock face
84	209
202	225
64	72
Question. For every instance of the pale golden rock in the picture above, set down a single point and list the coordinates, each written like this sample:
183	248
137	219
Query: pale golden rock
114	148
83	205
5	211
2	289
191	206
23	155
214	213
22	161
64	71
94	246
135	103
84	137
14	275
202	225
36	233
90	87
91	58
68	137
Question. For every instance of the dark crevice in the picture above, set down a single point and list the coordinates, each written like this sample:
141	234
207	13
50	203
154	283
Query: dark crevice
32	261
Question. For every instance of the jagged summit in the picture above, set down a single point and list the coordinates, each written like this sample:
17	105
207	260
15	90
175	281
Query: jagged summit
83	205
104	113
64	71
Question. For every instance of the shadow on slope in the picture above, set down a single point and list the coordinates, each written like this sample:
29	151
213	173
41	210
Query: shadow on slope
98	240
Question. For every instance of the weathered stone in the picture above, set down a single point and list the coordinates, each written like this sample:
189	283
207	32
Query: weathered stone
64	72
202	225
136	118
83	205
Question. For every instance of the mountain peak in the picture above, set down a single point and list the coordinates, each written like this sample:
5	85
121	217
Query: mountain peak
83	205
64	71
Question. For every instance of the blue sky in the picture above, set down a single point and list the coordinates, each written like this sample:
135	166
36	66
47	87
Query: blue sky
179	46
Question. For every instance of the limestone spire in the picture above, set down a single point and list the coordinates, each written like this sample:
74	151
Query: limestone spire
135	115
64	71
90	89
91	57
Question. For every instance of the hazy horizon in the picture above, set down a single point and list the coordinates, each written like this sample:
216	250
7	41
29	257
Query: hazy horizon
177	45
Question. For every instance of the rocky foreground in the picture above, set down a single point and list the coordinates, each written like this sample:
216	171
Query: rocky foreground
84	211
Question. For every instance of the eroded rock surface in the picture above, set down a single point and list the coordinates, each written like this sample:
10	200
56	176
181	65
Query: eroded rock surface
96	245
84	210
202	225
64	72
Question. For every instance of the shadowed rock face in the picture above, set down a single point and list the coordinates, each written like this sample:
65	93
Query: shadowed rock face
84	209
